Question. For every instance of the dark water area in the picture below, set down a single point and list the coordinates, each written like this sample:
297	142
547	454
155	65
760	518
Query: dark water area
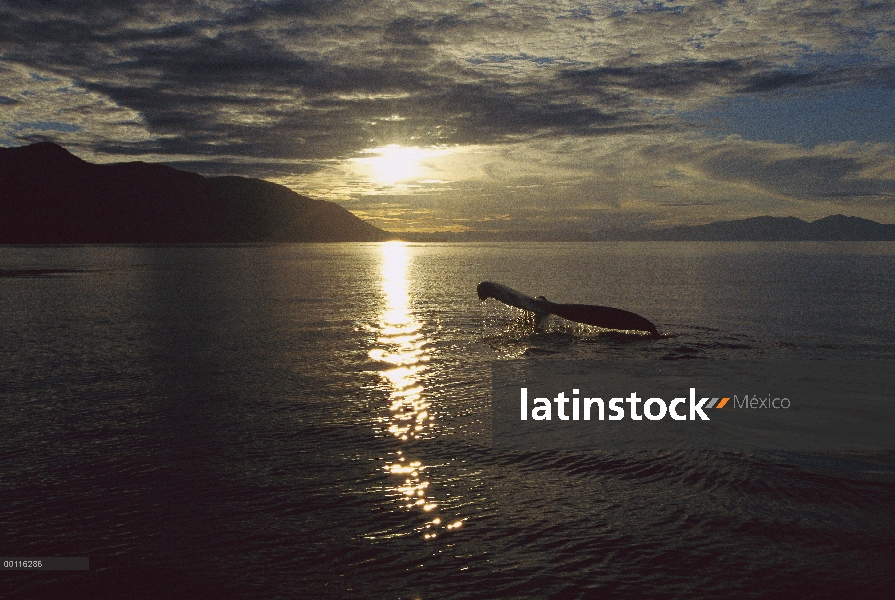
313	421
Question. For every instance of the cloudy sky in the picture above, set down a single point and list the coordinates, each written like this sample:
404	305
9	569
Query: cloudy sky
492	115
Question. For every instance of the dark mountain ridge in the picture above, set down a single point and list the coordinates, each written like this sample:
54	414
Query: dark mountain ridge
773	229
50	196
753	229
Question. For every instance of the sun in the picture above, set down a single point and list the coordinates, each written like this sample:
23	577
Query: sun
393	163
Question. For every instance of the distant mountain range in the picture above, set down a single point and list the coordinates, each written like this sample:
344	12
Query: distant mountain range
775	229
50	196
754	229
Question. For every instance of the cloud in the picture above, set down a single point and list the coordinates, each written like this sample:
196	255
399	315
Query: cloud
294	90
849	172
294	67
39	106
672	79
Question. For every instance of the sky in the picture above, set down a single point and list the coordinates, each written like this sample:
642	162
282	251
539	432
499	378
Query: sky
478	116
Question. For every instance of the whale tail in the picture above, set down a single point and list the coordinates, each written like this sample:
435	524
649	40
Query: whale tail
606	317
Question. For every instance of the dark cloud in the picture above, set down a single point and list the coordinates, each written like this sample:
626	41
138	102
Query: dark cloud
765	82
251	13
670	79
490	111
800	176
228	60
683	78
406	31
831	172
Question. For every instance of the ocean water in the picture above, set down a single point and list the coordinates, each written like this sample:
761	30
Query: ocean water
313	421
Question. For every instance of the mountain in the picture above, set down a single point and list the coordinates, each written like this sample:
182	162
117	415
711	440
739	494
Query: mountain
763	229
773	229
50	196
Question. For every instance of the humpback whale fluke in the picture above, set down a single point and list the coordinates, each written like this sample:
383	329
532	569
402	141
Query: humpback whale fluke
589	314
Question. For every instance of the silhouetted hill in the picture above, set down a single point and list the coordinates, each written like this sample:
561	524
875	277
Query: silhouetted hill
50	196
832	228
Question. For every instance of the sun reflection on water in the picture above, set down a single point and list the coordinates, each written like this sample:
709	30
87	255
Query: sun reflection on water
402	349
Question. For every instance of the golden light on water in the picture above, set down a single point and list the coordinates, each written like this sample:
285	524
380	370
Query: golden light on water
402	350
401	345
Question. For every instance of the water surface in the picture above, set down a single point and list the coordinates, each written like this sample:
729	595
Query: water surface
313	421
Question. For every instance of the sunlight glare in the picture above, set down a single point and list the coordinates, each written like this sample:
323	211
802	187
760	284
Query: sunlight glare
392	164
